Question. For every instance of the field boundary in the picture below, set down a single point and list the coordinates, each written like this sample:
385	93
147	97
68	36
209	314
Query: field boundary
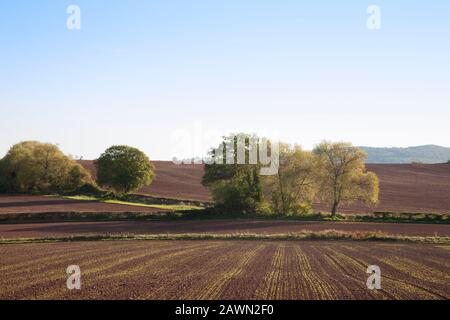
162	214
77	216
298	236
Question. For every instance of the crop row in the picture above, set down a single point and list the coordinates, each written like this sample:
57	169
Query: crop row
224	270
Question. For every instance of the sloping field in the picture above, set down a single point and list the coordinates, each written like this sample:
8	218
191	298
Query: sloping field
65	229
403	187
172	181
224	270
44	204
413	187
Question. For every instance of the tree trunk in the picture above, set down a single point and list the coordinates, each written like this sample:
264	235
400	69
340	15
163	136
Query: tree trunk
283	199
334	210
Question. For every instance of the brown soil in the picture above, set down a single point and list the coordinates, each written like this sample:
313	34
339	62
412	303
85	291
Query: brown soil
411	188
224	270
45	204
32	230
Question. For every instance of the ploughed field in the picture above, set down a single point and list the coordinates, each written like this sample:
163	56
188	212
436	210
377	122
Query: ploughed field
67	229
224	270
403	187
412	187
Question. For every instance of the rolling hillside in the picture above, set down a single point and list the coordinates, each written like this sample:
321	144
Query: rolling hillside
403	187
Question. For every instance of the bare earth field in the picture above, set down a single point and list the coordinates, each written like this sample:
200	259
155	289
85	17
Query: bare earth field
224	270
412	187
44	204
172	181
403	187
65	229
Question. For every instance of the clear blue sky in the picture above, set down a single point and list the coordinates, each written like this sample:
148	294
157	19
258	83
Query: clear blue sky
143	72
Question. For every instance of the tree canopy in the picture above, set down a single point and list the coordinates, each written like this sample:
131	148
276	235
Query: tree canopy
124	169
333	173
34	167
293	188
235	185
342	175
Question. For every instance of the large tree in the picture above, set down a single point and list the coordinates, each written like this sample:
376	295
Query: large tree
124	169
293	188
231	177
343	176
32	166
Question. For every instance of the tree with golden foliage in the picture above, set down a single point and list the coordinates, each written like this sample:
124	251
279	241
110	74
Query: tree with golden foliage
293	188
35	167
342	175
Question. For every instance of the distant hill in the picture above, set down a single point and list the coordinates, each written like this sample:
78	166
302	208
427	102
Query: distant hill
424	154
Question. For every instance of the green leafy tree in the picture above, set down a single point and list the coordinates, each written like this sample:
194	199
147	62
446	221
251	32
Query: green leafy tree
124	169
343	177
32	166
293	188
236	187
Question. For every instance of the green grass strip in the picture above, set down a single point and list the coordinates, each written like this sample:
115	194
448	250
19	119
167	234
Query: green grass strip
305	235
173	207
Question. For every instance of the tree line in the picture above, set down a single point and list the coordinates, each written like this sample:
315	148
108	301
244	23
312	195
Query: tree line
332	173
41	168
